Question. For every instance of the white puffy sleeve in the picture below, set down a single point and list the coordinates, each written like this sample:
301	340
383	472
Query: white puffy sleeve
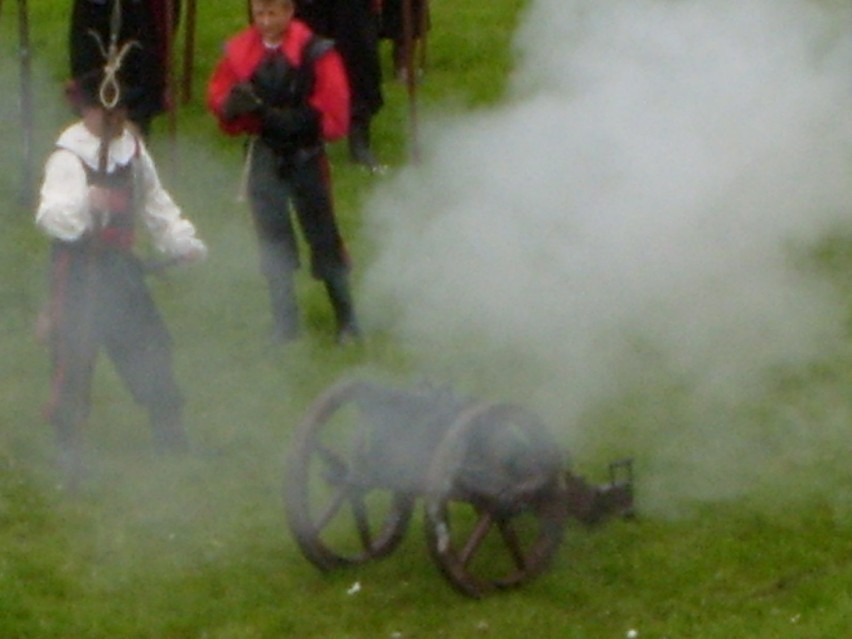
63	211
172	233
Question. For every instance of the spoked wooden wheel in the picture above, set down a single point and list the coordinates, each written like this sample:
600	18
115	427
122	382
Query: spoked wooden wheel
494	516
337	510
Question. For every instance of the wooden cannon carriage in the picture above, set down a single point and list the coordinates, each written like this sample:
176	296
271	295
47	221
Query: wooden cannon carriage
496	490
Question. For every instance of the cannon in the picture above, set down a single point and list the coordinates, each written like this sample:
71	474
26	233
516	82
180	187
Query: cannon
496	489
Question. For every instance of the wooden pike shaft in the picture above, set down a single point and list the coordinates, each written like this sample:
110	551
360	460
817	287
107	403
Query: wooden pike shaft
26	101
424	30
410	76
189	49
171	83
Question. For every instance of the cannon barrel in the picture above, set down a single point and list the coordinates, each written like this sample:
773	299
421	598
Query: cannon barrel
591	504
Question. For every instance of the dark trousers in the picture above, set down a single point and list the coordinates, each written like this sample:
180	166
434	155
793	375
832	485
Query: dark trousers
281	187
99	298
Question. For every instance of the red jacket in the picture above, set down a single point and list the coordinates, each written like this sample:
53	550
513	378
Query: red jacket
242	55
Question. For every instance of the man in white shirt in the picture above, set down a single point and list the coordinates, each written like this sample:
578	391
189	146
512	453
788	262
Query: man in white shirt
98	183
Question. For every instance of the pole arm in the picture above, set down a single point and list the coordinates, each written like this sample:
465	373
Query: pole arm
109	92
26	104
410	75
189	50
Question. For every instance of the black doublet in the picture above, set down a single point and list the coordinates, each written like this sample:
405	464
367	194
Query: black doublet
276	81
289	124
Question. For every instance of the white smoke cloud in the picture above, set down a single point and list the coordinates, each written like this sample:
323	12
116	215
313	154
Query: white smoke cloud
643	188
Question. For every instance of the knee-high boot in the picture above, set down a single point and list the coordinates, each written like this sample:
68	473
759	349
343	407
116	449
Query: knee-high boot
340	296
167	428
285	313
71	462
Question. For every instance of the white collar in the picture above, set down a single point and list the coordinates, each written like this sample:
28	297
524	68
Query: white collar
85	145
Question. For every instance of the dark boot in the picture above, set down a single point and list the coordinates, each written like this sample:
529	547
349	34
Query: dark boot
70	459
285	313
167	429
340	297
360	150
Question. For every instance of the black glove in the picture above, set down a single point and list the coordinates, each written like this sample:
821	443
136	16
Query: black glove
242	100
290	127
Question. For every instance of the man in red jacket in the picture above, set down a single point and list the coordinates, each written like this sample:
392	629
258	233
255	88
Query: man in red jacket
286	88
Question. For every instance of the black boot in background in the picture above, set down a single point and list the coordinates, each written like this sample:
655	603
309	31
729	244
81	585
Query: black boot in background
360	149
399	59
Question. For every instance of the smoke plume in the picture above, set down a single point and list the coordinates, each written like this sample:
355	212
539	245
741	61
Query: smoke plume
629	226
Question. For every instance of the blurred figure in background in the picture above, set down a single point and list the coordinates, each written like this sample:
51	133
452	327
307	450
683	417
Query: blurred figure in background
286	88
393	29
145	68
354	27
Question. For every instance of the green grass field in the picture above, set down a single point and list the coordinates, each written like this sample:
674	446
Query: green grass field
756	546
